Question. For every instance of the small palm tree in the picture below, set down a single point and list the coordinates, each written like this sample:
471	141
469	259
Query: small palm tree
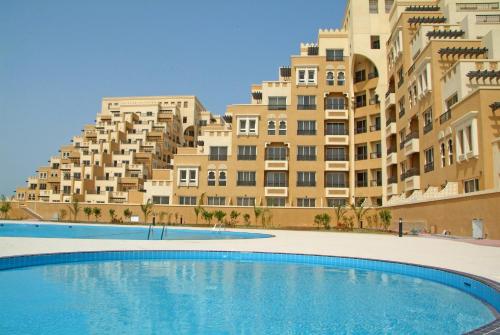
197	211
340	212
5	207
385	217
220	215
266	217
359	213
207	216
257	211
97	213
88	212
246	218
74	208
318	219
127	213
112	214
146	209
234	217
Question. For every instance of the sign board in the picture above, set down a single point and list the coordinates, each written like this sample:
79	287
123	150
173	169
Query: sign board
134	218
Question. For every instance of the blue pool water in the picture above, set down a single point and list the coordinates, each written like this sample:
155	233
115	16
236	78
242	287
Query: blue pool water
116	232
227	293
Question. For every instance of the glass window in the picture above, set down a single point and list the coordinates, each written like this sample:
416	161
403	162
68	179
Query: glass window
275	201
336	179
247	152
471	185
330	78
306	178
335	128
306	102
276	153
271	128
373	6
361	179
282	127
302	76
277	103
335	103
335	154
306	202
306	153
160	200
306	127
334	54
276	179
335	202
245	201
184	200
245	178
216	201
340	78
211	178
222	178
218	154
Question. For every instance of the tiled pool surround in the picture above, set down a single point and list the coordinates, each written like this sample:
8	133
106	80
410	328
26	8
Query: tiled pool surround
486	290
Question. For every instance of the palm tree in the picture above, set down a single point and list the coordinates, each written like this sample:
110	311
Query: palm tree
199	209
340	211
74	208
127	213
97	213
5	207
359	213
385	217
208	216
234	217
62	214
318	219
266	217
146	209
88	212
246	218
257	211
219	215
112	214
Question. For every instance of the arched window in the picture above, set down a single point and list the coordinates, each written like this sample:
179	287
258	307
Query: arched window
443	155
211	178
450	151
282	129
271	128
329	78
341	78
222	178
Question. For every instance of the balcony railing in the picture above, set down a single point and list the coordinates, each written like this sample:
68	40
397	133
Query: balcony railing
375	127
337	131
276	157
222	182
361	183
392	180
336	184
276	107
445	116
217	157
361	157
374	155
390	120
245	183
211	183
306	107
427	127
247	157
429	167
410	173
271	183
339	158
401	113
360	130
306	157
391	150
306	183
306	132
376	182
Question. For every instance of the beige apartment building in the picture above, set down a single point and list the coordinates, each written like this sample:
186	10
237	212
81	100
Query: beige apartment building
398	105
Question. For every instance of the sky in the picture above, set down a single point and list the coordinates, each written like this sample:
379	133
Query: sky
59	58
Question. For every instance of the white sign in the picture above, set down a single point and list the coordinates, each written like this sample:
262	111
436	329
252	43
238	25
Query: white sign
134	218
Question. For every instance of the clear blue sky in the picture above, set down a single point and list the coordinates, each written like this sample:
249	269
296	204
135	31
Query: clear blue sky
59	58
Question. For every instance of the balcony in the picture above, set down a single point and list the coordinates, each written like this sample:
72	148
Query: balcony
375	155
341	192
412	183
390	128
336	114
392	187
411	144
390	100
392	157
276	165
445	116
275	191
337	165
337	138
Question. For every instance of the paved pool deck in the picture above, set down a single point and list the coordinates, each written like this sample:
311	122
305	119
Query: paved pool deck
477	259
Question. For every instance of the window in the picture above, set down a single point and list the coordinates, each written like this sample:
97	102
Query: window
247	126
334	55
471	185
247	152
466	136
388	5
306	76
488	18
271	128
245	178
335	128
245	201
222	178
377	178
276	153
373	6
361	179
376	150
360	100
451	101
218	154
442	151
306	178
360	126
429	159
336	179
450	151
306	202
184	200
361	152
335	154
277	103
359	76
477	6
188	177
275	201
401	77
401	104
184	119
336	202
306	127
335	103
282	128
306	153
185	104
160	200
276	179
311	76
427	120
306	102
216	201
330	78
375	41
340	78
301	76
66	190
211	178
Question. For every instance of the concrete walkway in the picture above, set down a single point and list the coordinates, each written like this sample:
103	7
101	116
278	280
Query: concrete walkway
475	259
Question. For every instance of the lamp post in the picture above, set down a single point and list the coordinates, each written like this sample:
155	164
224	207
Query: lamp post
400	227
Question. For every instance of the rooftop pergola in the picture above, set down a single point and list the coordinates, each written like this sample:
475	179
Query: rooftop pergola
227	118
491	74
286	71
462	51
257	95
494	106
426	19
422	8
313	51
445	33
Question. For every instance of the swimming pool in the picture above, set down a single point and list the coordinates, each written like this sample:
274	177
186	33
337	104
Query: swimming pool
117	232
200	292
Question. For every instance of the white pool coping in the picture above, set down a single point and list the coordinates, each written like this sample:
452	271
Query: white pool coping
475	259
